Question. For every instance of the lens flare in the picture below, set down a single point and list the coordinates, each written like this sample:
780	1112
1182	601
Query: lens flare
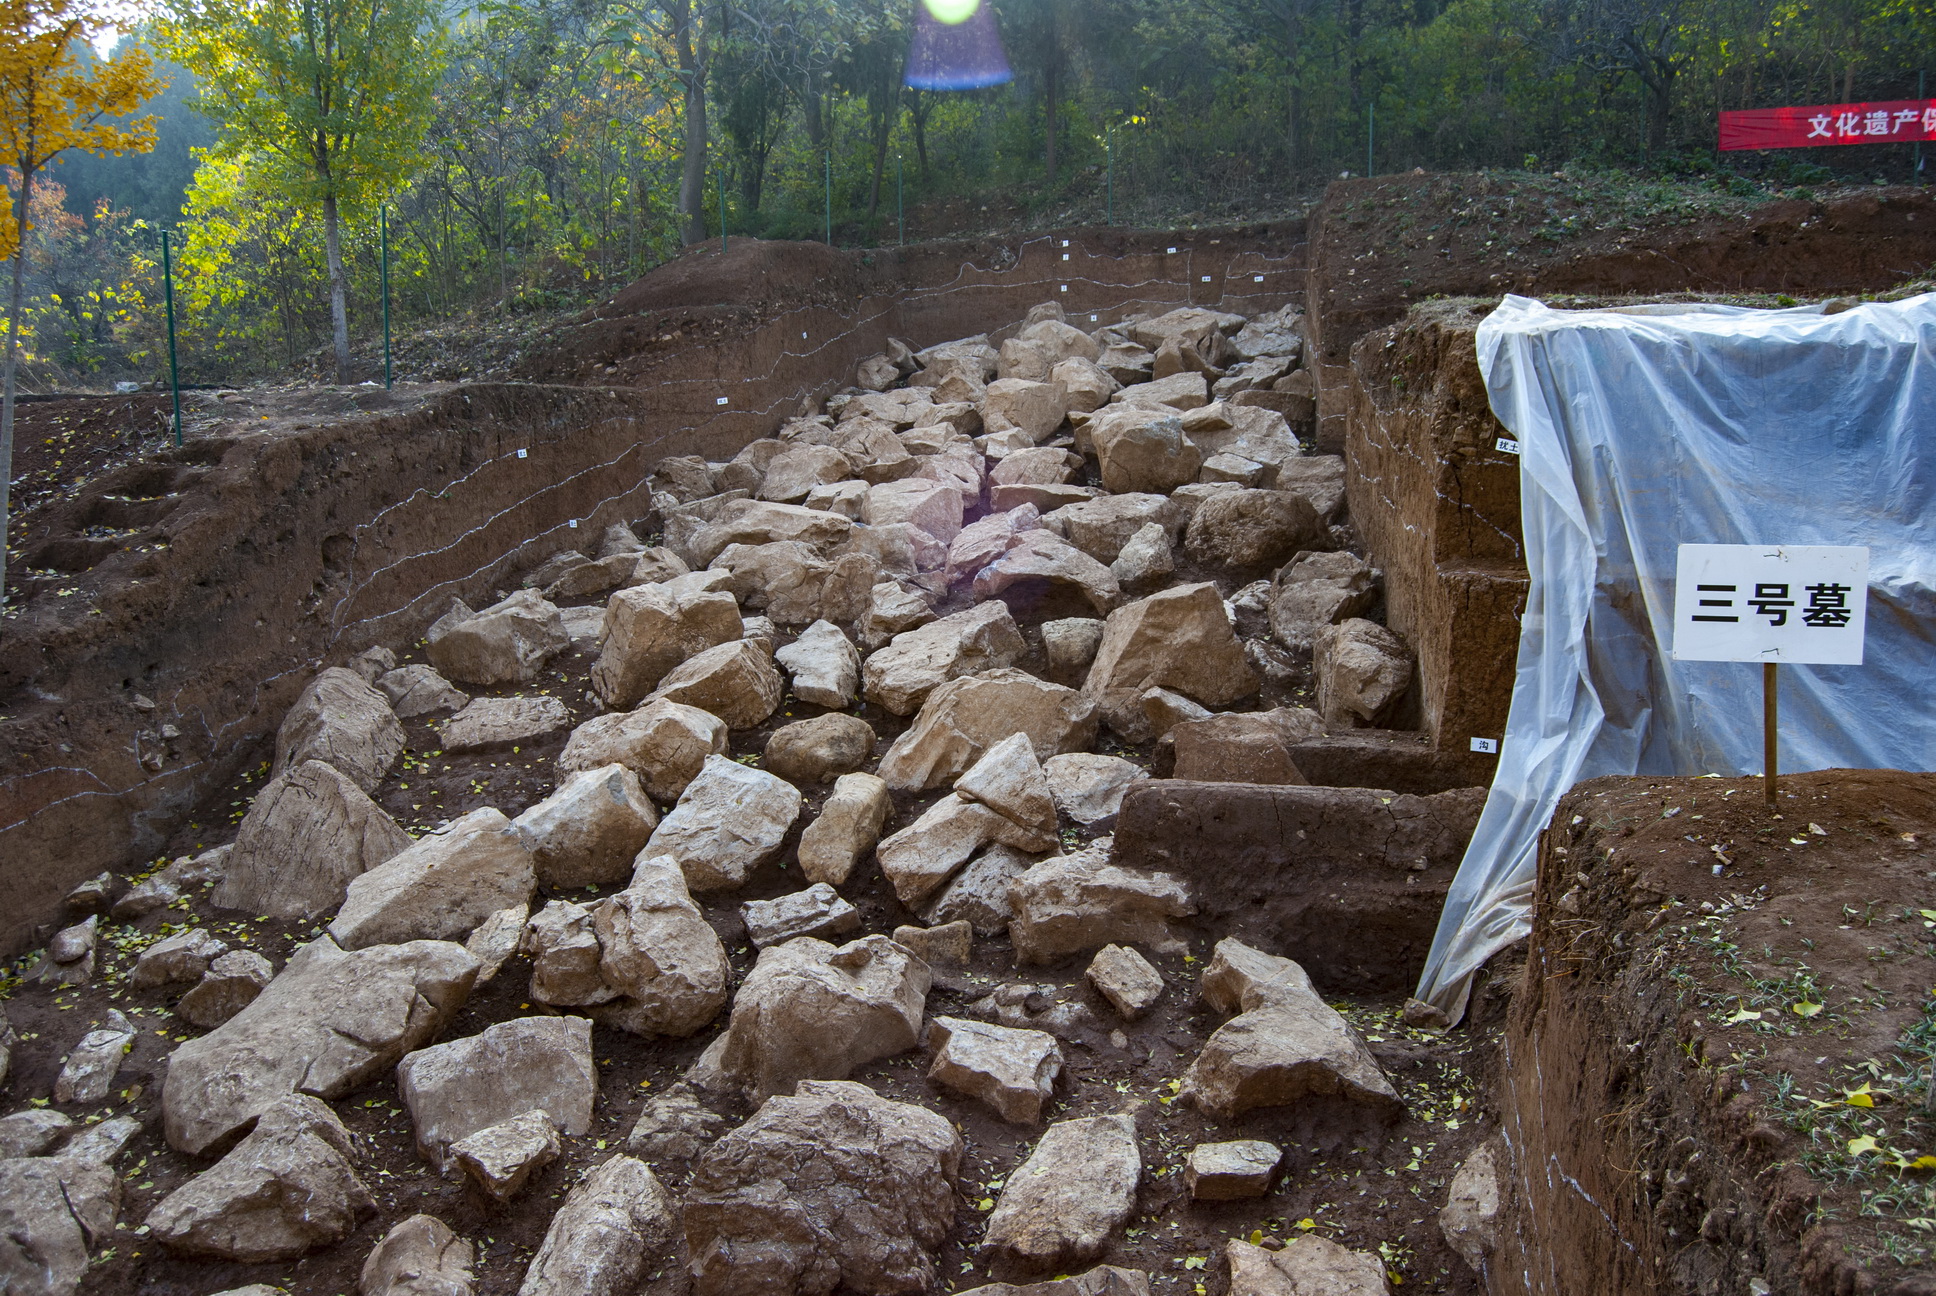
956	46
951	12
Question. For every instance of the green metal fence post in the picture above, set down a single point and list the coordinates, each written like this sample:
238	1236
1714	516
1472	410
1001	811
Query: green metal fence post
900	203
1109	207
383	242
168	300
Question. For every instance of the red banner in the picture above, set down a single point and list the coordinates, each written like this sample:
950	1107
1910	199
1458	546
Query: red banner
1896	122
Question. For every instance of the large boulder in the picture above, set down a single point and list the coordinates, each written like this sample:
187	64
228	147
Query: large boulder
1061	340
1075	1190
1071	904
1039	466
1285	1045
1363	672
1474	1202
1317	590
52	1211
824	664
963	718
331	1021
1249	528
1319	479
588	831
817	910
1101	527
1042	561
1205	330
920	858
833	1187
729	821
659	955
310	832
650	629
786	579
1180	639
735	681
1142	450
917	501
848	826
900	677
443	886
507	643
978	893
232	983
283	1191
1033	407
1147	562
488	722
819	749
614	1220
1012	1070
1242	746
1307	1266
664	743
813	1011
453	1090
1246	432
1180	391
341	721
796	470
1089	788
756	522
87	1075
1085	383
983	541
893	608
418	1257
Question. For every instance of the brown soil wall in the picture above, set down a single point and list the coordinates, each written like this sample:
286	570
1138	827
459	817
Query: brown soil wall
252	560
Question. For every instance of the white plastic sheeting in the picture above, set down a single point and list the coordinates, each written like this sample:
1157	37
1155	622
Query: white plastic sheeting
1645	428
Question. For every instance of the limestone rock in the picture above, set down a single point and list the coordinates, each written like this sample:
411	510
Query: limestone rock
340	720
1042	559
664	743
921	857
1126	979
813	1011
1316	590
1231	1171
660	955
978	894
817	911
842	497
1142	450
31	1132
53	1210
332	1020
311	832
795	471
1248	528
594	577
502	722
735	681
1043	499
674	1126
729	821
1180	639
1103	1280
507	643
88	1074
848	826
1089	788
1008	779
1038	466
285	1190
1319	479
1070	645
756	522
231	984
1011	1070
1072	903
1086	384
418	1257
819	749
589	829
651	629
1061	340
899	550
824	664
616	1219
1077	1187
1101	527
1164	710
184	956
1286	1044
1474	1202
972	358
948	944
1362	671
1235	747
1201	328
1183	391
70	954
963	718
455	1089
918	502
1125	362
502	1158
900	676
651	566
982	542
893	609
1145	563
1261	436
786	579
442	886
1022	359
1034	408
1226	467
1308	1266
832	1188
419	690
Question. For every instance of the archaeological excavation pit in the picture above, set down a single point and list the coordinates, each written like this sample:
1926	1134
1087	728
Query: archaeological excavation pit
910	771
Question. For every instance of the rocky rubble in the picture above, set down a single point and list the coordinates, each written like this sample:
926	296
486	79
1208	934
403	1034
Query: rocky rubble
995	587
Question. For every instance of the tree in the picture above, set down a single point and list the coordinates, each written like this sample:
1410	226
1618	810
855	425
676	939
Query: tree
338	91
49	104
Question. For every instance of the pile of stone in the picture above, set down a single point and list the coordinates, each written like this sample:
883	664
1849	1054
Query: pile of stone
1025	549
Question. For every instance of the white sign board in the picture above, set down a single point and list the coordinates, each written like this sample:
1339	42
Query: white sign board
1771	603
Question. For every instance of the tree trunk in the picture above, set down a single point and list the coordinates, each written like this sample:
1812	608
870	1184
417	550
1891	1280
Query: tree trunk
339	317
919	111
13	358
692	172
1054	88
883	131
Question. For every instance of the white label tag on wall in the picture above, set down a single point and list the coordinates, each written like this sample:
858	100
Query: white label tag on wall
574	524
1771	603
1506	445
1490	746
1257	278
520	454
1206	278
720	401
